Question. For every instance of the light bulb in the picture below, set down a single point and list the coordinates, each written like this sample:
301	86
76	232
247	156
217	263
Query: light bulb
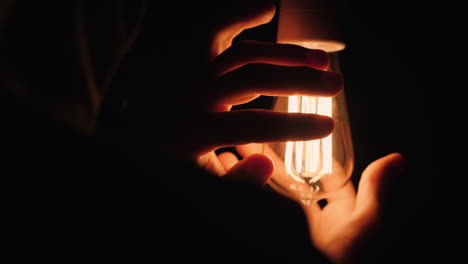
308	171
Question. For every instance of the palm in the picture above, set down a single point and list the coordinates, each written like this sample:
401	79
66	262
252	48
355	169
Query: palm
337	226
351	219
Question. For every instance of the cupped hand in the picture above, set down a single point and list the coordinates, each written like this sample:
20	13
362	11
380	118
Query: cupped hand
350	222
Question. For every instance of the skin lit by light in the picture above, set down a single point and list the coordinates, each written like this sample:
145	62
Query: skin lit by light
309	159
325	45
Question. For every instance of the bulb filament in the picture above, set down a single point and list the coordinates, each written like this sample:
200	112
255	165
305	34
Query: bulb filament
309	160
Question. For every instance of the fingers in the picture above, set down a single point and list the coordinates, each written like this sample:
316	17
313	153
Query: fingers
227	160
210	163
243	15
257	79
247	126
249	149
375	182
254	169
252	148
248	51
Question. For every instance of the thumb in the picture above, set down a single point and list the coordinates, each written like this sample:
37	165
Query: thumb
255	169
376	182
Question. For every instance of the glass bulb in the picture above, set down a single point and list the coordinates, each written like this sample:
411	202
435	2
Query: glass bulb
308	171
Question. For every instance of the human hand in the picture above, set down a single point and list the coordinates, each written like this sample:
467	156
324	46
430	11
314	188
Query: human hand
257	68
345	229
202	120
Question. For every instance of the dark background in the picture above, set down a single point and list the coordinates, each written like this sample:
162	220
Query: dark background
404	70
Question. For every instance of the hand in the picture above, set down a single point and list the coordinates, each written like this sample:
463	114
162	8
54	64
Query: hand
345	229
247	70
199	120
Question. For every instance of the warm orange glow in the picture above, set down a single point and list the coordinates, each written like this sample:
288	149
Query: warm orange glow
309	160
326	45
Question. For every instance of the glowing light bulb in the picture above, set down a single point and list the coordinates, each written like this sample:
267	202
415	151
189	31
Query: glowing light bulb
308	171
312	159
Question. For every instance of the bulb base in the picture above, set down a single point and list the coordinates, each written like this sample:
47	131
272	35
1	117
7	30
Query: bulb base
313	22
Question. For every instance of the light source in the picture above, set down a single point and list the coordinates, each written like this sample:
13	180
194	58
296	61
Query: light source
308	171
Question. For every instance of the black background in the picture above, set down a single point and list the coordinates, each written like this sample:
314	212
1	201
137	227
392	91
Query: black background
404	70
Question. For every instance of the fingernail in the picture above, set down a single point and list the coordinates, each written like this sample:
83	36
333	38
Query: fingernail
257	169
261	164
318	58
321	125
332	82
327	124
